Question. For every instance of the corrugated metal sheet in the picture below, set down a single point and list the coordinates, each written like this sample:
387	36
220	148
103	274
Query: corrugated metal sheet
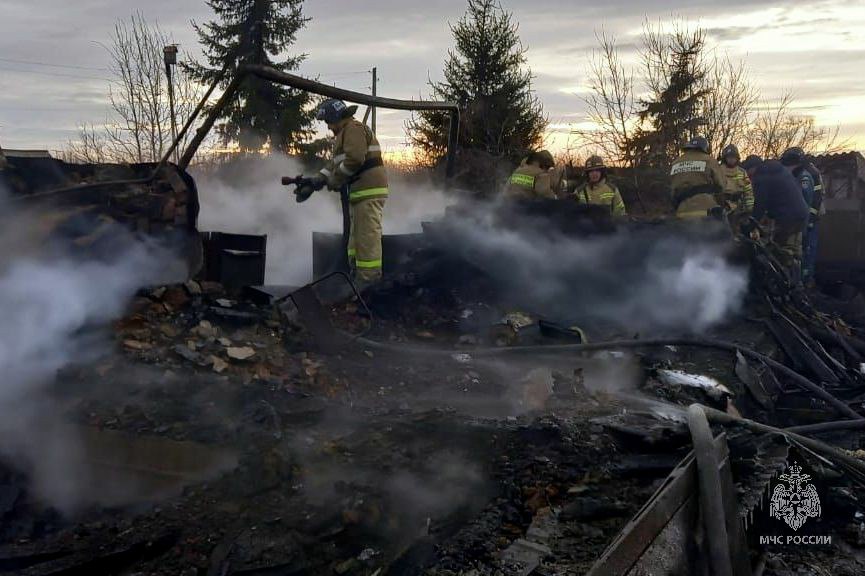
842	227
843	174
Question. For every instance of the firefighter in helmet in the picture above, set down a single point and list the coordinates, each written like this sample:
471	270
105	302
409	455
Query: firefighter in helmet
355	169
811	181
697	182
738	193
533	177
597	190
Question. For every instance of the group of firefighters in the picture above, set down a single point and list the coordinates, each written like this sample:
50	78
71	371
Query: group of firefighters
535	178
786	193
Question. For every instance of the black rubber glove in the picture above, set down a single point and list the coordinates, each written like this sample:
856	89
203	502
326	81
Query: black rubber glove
748	226
303	192
318	182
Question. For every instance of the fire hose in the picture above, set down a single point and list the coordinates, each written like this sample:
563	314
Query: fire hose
841	457
711	500
795	377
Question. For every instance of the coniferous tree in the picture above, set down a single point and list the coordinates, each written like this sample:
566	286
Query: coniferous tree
256	32
672	115
484	73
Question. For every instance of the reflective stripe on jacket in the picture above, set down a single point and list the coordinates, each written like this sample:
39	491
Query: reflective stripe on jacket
697	183
354	144
697	206
737	188
523	181
602	194
695	168
530	181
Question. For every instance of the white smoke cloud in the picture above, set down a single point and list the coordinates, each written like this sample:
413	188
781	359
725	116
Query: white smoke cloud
247	198
637	280
413	201
52	305
656	278
697	292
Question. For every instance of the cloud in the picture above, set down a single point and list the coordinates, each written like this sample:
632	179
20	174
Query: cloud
408	41
732	33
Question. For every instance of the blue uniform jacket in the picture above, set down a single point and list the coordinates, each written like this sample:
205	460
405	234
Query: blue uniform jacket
778	195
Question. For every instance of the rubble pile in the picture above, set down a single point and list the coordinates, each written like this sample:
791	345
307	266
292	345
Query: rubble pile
355	484
199	324
451	432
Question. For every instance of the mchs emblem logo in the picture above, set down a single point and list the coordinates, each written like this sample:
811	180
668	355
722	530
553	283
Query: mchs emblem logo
795	502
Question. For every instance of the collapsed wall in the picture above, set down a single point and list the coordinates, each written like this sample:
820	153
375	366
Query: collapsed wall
80	206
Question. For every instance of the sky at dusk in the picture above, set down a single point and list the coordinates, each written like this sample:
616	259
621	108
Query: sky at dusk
53	68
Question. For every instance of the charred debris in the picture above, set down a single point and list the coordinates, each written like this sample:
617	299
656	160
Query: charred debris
453	420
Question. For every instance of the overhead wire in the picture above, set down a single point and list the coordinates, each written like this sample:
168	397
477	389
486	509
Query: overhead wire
54	65
56	74
39	108
352	73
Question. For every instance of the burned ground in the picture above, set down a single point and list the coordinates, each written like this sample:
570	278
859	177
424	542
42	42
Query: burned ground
356	463
422	464
216	437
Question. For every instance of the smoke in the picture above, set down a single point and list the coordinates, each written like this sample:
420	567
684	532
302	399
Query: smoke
52	304
402	479
446	482
636	279
413	200
246	197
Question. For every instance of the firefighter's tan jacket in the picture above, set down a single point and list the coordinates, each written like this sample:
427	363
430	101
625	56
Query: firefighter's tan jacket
601	194
738	192
530	181
354	144
697	183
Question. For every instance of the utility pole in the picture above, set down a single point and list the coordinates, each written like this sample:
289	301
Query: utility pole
374	92
170	55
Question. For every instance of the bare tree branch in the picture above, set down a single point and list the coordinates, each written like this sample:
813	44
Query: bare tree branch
722	103
611	103
674	72
89	148
729	103
139	129
776	126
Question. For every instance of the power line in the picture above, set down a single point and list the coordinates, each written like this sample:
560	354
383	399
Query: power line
38	109
340	74
59	74
71	66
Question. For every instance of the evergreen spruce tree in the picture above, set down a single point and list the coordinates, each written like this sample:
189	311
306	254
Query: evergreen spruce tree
484	73
672	116
256	32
